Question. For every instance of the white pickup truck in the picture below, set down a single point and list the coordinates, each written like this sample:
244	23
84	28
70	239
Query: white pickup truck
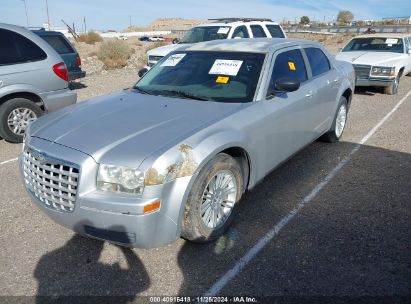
379	59
224	28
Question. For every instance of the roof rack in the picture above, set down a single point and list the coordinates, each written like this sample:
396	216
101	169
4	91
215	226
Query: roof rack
36	28
226	20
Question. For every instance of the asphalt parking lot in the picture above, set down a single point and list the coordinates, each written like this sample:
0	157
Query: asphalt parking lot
332	221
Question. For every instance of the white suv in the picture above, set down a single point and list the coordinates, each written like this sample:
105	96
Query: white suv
226	28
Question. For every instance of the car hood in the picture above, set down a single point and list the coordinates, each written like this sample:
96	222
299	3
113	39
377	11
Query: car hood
164	50
126	127
369	58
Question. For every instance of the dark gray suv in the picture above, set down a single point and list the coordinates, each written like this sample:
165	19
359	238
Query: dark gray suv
33	80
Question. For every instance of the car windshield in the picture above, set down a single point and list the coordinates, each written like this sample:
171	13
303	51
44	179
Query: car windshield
216	76
376	44
205	33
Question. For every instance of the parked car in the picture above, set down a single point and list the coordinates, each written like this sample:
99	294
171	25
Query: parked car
225	28
379	60
33	81
176	153
156	38
144	38
66	50
122	37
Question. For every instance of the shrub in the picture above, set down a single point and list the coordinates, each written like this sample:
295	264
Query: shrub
114	53
90	38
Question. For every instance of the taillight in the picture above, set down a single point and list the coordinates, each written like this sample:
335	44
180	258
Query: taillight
60	70
78	61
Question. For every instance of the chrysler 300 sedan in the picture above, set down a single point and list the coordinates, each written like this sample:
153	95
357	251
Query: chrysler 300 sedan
173	156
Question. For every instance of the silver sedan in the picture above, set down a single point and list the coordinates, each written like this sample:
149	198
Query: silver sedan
173	156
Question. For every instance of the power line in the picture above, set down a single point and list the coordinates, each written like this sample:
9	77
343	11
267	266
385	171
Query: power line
25	9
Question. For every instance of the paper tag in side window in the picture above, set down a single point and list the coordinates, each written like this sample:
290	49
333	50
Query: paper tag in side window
223	30
173	60
391	41
226	67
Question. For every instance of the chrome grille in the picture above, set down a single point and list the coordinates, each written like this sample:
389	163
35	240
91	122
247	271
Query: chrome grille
362	71
51	181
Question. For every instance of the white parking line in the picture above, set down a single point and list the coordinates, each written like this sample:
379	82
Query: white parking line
246	259
8	161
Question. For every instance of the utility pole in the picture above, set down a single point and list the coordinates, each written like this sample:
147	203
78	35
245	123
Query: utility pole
129	16
85	25
27	16
48	16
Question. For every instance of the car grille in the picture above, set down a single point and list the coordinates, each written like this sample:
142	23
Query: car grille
362	71
51	181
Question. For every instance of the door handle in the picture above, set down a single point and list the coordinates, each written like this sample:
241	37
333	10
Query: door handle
336	80
309	94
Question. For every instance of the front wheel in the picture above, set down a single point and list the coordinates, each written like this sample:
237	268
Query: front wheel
210	205
392	89
15	115
337	128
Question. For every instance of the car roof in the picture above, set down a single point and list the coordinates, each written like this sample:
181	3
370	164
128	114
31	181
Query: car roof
250	45
383	35
48	33
222	24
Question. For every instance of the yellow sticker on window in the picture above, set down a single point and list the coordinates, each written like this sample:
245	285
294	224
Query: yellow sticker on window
222	79
291	65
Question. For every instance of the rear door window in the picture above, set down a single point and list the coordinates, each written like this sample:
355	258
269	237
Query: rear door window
15	48
241	32
258	31
59	44
318	61
289	64
275	31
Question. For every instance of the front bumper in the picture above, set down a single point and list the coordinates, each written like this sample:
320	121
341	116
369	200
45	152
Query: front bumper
55	100
114	217
374	82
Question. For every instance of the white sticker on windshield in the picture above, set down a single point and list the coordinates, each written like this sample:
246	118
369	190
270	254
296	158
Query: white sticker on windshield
226	67
173	60
391	41
223	30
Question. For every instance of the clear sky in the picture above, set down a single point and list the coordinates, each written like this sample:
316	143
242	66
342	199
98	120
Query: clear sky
115	14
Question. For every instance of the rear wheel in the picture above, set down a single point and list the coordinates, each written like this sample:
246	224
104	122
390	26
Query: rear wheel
337	128
210	205
15	116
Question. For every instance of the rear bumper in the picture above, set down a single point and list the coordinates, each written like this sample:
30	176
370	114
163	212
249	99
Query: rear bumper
55	100
374	82
76	75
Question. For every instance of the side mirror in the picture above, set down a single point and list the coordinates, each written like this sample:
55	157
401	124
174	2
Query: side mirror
142	72
286	84
339	49
409	52
283	85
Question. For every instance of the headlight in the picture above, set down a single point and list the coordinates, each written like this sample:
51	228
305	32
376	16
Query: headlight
120	179
383	71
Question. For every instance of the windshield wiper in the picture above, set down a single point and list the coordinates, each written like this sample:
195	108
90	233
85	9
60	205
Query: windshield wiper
142	91
182	94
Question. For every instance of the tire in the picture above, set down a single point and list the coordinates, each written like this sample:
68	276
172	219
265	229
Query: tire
392	89
195	225
334	134
29	112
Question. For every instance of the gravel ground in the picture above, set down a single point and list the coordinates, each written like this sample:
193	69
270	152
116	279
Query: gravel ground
352	240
